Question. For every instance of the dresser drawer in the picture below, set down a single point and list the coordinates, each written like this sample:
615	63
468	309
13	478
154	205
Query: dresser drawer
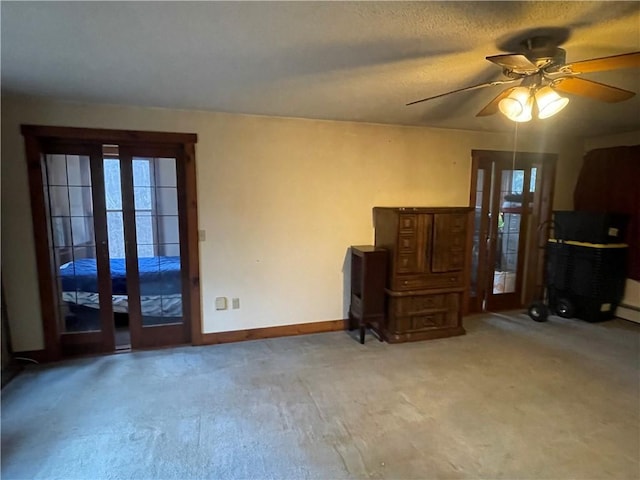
417	304
407	243
407	263
408	223
427	302
414	282
433	320
416	323
424	322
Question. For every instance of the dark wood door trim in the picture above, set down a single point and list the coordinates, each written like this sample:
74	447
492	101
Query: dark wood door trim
42	238
537	238
188	208
103	135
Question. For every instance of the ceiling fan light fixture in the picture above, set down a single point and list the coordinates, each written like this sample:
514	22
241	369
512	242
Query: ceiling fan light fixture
517	106
549	102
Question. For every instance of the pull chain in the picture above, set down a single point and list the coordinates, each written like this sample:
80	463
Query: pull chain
515	146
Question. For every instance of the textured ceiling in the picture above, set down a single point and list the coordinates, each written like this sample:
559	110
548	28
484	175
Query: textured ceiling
359	61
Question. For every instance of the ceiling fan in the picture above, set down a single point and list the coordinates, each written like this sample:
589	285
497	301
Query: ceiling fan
542	71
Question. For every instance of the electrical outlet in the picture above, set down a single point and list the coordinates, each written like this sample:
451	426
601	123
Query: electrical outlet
221	303
235	303
202	235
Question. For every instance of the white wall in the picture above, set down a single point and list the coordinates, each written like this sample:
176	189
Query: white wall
632	287
280	200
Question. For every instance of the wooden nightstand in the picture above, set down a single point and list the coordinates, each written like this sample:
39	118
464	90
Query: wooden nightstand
368	275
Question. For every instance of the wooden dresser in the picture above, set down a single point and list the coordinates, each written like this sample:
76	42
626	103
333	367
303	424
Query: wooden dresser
425	279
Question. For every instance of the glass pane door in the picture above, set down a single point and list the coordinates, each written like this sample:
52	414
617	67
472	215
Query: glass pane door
509	210
70	207
509	213
158	240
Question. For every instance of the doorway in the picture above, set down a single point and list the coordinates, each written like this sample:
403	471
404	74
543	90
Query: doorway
115	221
511	196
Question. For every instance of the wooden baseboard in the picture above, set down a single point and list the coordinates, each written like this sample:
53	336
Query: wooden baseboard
273	332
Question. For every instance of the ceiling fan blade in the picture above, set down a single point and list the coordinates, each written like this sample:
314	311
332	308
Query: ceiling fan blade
591	89
614	62
466	89
492	106
514	62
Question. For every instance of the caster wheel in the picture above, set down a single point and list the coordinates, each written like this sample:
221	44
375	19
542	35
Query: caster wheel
564	308
538	311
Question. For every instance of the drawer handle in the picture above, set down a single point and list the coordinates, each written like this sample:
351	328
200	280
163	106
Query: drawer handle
406	282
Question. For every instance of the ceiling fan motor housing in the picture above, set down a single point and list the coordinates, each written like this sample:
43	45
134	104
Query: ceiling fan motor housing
544	51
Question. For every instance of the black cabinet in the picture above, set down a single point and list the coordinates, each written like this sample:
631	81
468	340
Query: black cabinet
589	277
368	274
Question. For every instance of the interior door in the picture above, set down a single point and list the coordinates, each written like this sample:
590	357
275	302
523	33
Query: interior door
156	245
73	194
511	195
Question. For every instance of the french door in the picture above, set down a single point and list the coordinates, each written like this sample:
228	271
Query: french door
117	246
512	199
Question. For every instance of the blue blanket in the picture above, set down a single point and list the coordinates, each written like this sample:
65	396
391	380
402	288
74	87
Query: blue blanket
158	276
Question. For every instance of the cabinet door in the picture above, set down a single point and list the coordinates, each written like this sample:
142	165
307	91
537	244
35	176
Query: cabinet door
449	235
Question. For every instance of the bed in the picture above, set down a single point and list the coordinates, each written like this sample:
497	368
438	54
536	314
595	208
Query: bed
160	288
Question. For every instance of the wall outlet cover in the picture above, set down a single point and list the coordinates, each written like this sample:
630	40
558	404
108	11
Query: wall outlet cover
221	303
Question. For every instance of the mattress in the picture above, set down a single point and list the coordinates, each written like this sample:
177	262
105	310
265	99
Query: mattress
151	305
158	276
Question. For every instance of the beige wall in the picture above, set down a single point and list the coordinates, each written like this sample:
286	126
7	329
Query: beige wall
632	288
280	200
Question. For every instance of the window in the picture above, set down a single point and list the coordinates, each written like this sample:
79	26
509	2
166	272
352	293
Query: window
143	206
143	192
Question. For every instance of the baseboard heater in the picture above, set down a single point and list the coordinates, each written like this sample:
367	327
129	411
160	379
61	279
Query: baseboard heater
628	312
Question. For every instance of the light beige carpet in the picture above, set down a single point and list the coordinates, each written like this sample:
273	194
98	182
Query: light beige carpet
512	399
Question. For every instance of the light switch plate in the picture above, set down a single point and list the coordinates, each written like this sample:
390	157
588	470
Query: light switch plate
235	303
202	235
